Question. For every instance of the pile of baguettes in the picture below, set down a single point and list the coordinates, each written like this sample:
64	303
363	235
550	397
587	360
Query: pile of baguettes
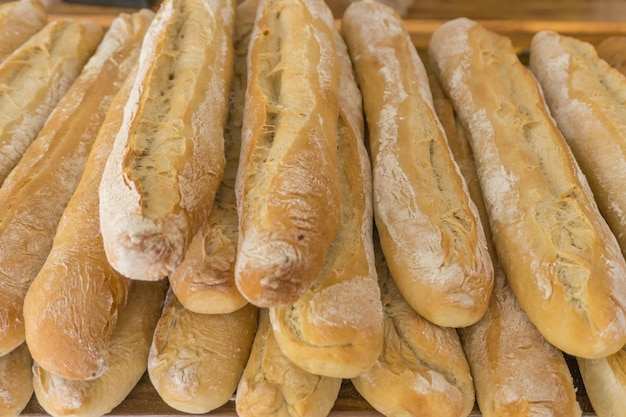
193	192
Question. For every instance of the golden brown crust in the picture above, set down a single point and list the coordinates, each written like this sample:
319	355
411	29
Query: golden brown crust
19	20
73	303
429	228
287	184
605	383
561	259
613	51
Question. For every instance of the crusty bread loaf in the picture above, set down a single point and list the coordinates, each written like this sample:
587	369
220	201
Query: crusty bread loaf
422	369
605	383
272	385
196	360
16	381
35	77
561	259
19	20
336	328
205	280
168	160
287	185
73	303
587	98
429	228
613	51
128	358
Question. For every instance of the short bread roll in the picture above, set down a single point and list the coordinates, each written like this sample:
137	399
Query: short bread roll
168	160
429	228
605	383
287	184
561	259
16	381
19	20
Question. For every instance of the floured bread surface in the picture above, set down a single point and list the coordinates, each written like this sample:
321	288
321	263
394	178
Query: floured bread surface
19	20
33	80
196	360
605	383
16	381
287	185
272	385
587	98
205	281
559	255
429	228
336	328
168	160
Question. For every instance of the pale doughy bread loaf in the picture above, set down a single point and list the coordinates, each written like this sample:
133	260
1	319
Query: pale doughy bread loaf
561	259
613	51
605	383
73	303
168	160
429	228
35	77
422	369
336	328
19	20
205	280
272	385
196	360
587	98
287	184
16	381
128	358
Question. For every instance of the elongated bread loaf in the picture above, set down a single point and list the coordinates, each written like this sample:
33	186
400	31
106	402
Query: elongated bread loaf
613	51
205	280
587	98
16	381
168	160
35	77
422	369
429	228
19	20
561	259
336	328
605	383
516	371
287	184
74	302
196	360
272	385
128	359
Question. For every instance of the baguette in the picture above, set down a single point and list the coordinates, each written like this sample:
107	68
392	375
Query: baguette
168	160
287	185
561	259
35	77
196	360
128	358
605	383
19	20
613	51
272	385
205	280
516	371
16	381
336	328
422	369
587	98
429	228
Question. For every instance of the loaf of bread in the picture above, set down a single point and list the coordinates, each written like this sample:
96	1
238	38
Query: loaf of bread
196	360
128	358
587	98
561	259
19	20
336	328
422	369
613	51
287	185
605	383
429	228
205	280
272	385
16	381
35	77
168	160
